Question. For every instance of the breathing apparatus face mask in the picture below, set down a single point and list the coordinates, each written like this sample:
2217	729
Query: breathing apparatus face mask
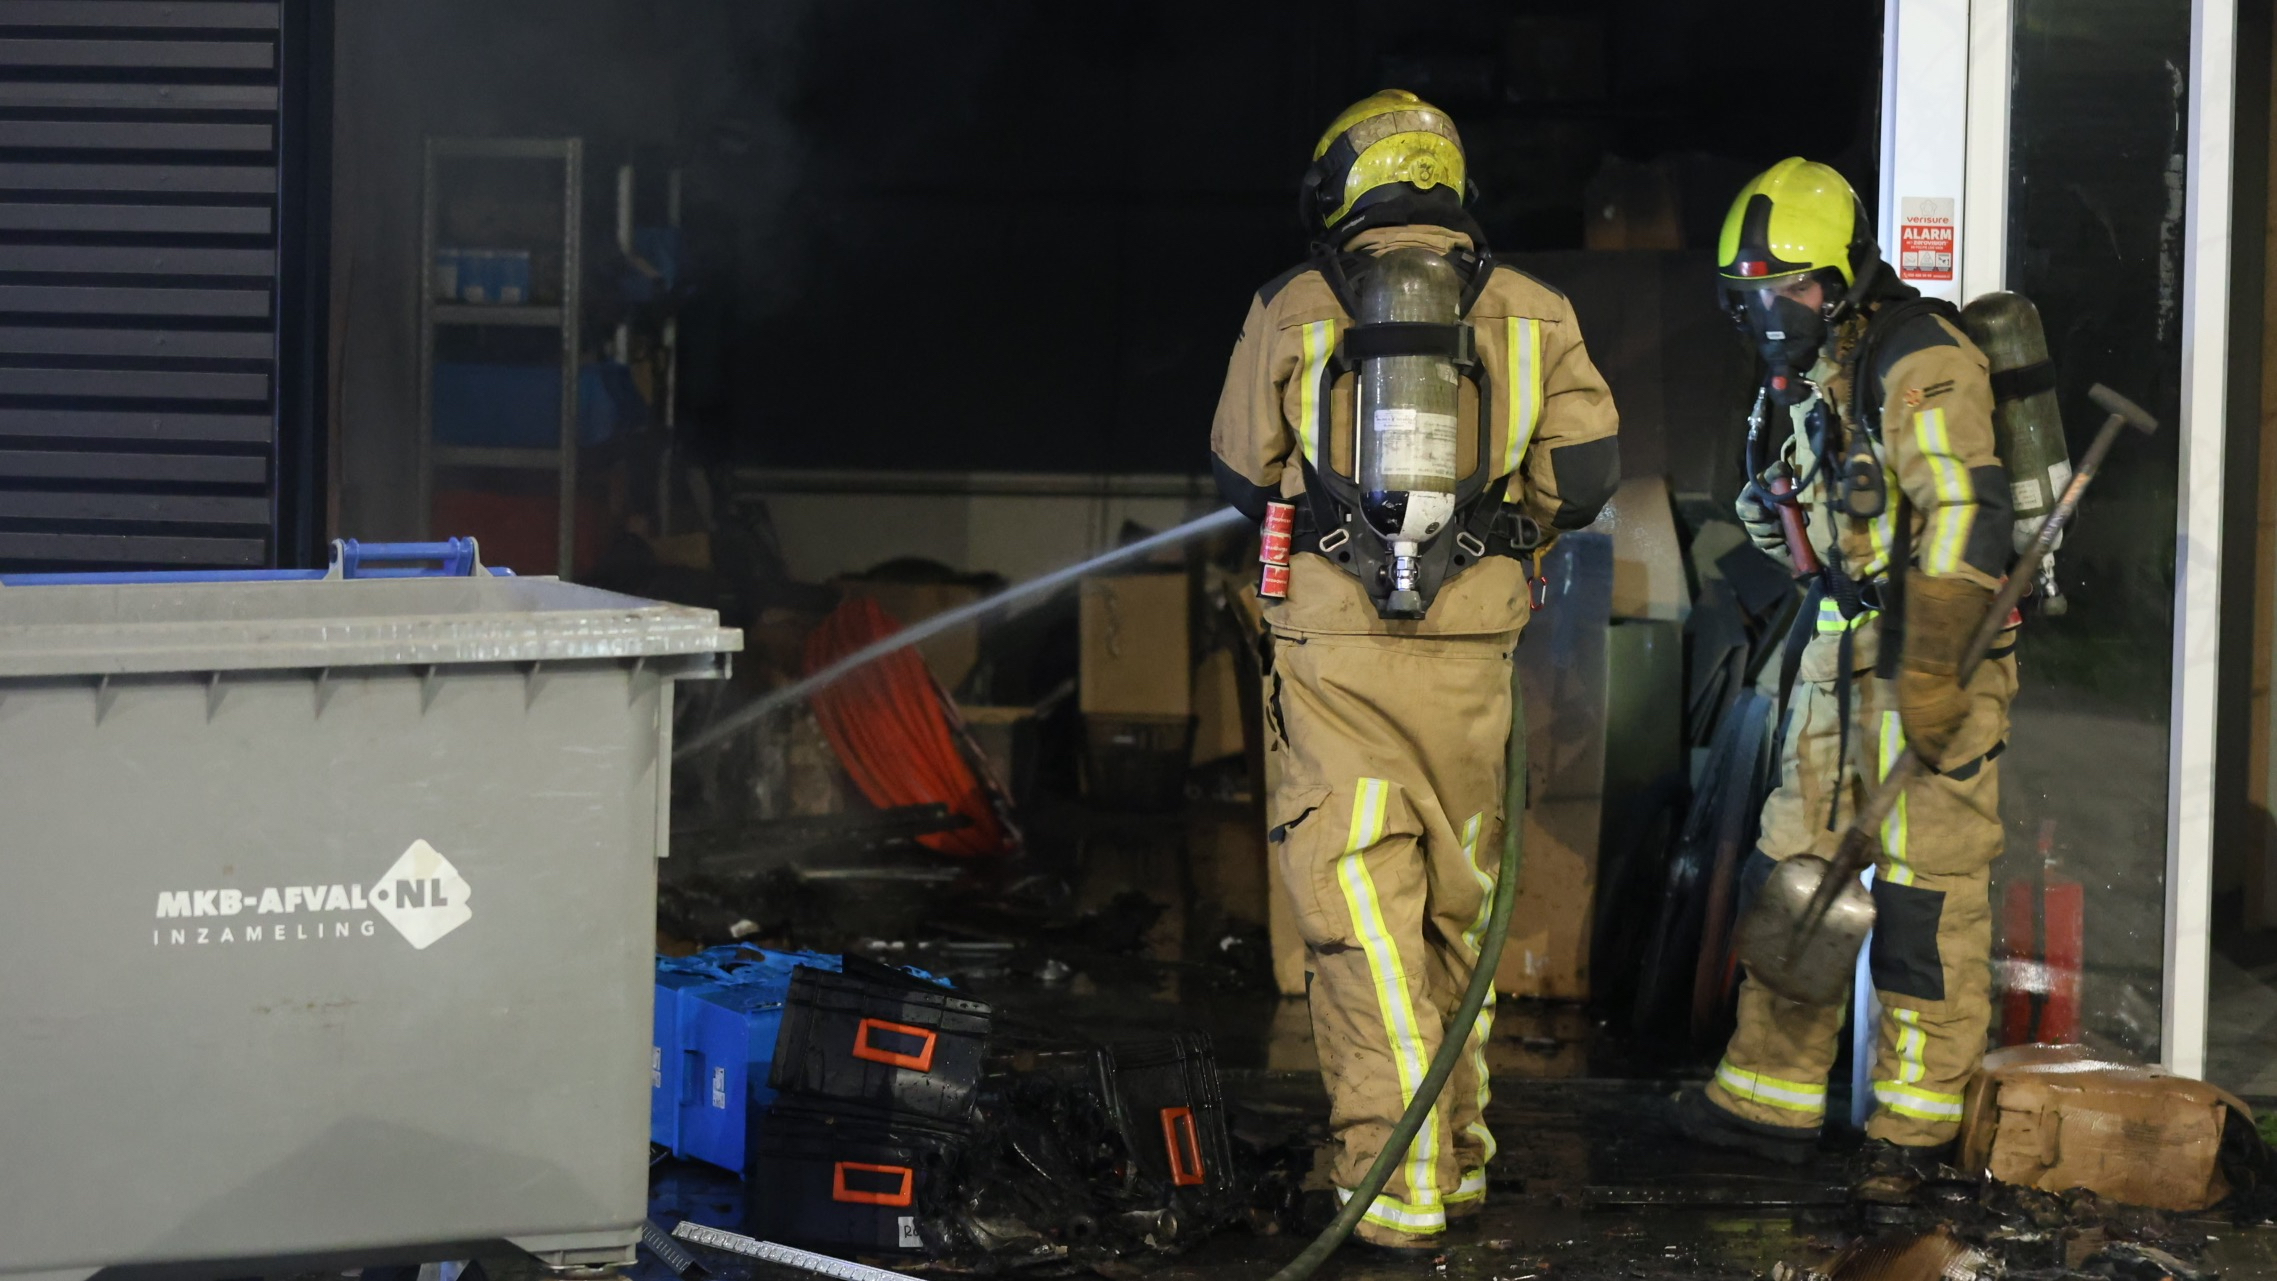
1786	333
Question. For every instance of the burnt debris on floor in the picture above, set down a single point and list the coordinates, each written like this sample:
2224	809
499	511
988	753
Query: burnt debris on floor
1108	930
1136	912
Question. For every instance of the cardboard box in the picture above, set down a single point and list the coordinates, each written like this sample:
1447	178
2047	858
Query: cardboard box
1137	655
2053	1117
1547	955
1218	730
951	655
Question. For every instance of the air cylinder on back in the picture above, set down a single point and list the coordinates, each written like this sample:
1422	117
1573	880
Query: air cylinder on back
2006	327
1405	449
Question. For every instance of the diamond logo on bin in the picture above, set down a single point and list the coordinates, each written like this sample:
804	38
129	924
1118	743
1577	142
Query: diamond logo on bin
423	896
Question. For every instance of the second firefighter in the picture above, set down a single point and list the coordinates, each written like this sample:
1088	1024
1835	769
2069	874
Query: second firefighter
1875	426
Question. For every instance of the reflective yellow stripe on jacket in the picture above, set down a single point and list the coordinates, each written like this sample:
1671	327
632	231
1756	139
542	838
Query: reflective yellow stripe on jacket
1318	341
1523	397
1956	496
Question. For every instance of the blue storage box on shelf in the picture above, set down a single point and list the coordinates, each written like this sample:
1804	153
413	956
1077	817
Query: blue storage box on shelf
496	405
484	277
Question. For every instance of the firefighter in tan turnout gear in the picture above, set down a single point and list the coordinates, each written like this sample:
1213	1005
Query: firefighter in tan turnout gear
1432	416
1875	424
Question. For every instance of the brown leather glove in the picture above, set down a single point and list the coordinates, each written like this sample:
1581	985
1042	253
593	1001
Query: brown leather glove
1941	614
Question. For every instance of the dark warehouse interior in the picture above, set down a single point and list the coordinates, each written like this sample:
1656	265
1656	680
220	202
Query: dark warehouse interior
744	337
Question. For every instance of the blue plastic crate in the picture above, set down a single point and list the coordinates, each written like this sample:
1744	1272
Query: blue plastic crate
668	1068
671	1071
729	1050
717	1014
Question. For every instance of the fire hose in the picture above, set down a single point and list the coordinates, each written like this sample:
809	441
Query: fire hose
1457	1031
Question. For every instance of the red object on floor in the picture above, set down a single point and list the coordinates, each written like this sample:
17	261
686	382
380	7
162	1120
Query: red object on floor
2063	910
2017	931
889	723
2043	947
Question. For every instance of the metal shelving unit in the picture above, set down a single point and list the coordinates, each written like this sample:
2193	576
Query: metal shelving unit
435	313
666	337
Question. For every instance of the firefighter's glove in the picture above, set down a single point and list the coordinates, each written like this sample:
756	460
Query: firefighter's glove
1941	614
1756	512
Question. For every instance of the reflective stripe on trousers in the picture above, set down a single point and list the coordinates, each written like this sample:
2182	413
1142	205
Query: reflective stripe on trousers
1402	1022
1484	1028
1791	1096
1388	1211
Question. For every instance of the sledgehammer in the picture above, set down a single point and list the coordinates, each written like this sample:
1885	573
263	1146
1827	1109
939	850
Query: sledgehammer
1767	949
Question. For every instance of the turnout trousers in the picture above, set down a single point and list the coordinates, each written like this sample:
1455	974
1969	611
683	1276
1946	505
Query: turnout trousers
1931	951
1387	821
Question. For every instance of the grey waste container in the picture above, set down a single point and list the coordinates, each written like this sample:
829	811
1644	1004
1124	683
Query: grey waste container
329	923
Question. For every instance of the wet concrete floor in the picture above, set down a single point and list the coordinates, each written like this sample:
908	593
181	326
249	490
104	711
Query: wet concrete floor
1591	1181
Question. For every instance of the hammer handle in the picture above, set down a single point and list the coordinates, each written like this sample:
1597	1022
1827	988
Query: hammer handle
1791	525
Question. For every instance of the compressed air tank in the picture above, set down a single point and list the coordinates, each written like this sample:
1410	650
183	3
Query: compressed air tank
2029	426
1409	411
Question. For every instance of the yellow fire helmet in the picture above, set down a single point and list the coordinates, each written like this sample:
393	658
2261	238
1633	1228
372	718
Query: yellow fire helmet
1797	216
1385	138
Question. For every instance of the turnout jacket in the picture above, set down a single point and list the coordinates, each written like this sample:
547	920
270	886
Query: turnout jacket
1550	420
1949	510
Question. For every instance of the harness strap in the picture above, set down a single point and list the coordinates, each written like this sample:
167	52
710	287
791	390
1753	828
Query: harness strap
1967	769
1499	528
1847	656
1798	638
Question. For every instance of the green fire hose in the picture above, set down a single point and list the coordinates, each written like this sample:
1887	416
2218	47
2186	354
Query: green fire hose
1451	1046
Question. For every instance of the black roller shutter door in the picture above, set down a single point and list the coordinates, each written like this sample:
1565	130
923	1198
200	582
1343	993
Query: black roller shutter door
160	285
